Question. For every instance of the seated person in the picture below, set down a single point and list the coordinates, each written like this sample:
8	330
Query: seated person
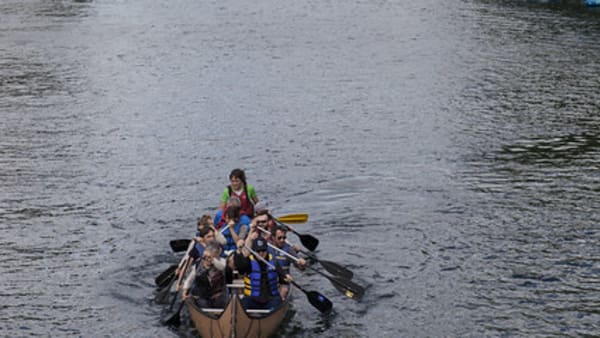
204	235
264	222
278	237
220	221
206	282
235	229
261	280
242	190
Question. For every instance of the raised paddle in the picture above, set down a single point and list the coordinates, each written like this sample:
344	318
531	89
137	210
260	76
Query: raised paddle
347	287
181	245
309	241
316	299
293	218
178	245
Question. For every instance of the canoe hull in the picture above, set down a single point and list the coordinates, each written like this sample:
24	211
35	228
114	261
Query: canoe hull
234	321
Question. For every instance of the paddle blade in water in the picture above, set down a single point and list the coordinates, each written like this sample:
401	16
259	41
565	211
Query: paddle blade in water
165	277
316	299
336	269
319	301
348	287
173	319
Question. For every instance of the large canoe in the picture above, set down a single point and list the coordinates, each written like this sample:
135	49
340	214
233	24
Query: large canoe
235	321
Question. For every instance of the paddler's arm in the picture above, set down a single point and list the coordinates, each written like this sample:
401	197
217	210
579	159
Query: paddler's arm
235	236
282	276
187	284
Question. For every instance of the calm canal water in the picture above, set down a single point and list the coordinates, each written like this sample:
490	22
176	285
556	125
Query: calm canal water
448	153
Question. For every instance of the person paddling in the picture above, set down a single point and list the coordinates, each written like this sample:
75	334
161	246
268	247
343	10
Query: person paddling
278	238
244	191
261	281
207	281
235	229
205	235
263	221
219	221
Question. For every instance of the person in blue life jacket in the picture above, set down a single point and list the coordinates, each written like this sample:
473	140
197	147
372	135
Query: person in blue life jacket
235	230
206	235
261	281
219	221
206	221
278	239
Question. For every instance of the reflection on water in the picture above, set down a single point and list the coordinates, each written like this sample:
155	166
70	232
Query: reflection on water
448	155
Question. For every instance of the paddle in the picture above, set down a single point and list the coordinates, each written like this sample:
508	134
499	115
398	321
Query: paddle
178	245
163	294
331	267
165	277
309	241
174	318
293	218
316	299
347	287
169	274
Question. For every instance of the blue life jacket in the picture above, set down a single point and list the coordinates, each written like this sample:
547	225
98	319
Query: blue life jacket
282	260
252	281
199	248
230	245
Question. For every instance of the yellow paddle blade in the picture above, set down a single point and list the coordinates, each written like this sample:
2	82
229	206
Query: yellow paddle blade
293	218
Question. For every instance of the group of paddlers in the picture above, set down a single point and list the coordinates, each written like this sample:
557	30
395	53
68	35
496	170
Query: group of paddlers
242	240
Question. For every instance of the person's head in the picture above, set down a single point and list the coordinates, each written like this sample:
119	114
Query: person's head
261	208
262	221
212	250
204	221
260	246
207	234
279	235
234	201
237	177
232	213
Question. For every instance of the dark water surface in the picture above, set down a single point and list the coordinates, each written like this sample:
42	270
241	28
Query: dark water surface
448	153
